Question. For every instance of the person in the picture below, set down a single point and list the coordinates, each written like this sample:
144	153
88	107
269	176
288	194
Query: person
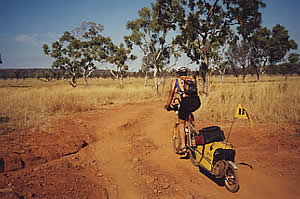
188	102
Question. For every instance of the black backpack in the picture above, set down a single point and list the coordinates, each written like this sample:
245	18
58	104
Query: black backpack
190	88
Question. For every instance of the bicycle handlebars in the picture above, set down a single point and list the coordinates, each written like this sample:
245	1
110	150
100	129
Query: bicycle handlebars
174	106
176	99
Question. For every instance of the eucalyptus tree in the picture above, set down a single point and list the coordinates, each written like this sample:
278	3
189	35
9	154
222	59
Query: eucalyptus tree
77	52
260	50
239	57
281	44
269	47
293	58
149	32
118	57
232	57
250	22
146	67
207	22
220	62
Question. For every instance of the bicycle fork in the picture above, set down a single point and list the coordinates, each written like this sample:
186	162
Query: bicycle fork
188	135
175	129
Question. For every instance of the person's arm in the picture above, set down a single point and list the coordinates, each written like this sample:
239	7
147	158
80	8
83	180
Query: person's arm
171	93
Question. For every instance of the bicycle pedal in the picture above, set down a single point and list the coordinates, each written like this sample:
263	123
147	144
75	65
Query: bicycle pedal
182	152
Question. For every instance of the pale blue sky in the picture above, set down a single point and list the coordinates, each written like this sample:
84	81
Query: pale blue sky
27	24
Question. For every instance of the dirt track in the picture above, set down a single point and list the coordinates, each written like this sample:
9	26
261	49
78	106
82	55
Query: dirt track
129	155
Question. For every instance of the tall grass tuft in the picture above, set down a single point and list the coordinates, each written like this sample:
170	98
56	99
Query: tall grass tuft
270	100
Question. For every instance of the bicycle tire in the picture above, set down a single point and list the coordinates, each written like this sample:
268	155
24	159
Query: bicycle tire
175	140
193	157
192	153
231	179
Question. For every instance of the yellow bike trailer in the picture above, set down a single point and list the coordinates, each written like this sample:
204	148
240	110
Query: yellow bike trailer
209	150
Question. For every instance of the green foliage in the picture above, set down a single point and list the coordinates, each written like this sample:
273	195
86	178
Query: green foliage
280	44
283	69
119	56
76	52
269	47
293	58
203	29
248	16
149	32
208	25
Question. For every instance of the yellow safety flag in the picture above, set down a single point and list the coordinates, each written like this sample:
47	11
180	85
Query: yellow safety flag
243	114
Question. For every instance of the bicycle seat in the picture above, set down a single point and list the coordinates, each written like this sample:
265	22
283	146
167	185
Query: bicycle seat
191	117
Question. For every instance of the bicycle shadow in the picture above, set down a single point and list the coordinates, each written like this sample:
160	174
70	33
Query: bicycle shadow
219	181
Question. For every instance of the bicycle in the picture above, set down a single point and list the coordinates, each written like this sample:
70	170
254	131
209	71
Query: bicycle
206	149
189	130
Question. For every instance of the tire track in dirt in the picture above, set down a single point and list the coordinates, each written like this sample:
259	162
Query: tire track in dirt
112	150
189	182
135	150
141	143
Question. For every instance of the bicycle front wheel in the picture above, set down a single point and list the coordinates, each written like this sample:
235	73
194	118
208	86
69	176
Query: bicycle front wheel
175	139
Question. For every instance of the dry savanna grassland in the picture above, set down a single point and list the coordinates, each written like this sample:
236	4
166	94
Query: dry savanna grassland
105	141
29	103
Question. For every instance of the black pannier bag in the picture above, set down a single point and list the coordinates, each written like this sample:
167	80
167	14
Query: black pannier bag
209	135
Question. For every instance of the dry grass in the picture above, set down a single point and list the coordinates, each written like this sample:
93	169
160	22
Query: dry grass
273	99
29	103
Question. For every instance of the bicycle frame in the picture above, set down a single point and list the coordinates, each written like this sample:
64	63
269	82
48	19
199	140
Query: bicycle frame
188	125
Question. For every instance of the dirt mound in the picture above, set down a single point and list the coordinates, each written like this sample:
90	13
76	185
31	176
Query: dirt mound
42	163
125	152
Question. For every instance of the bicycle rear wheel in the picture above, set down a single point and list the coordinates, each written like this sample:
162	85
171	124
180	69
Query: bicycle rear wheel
231	179
193	158
192	148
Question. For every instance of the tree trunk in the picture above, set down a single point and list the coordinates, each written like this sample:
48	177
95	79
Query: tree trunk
222	77
86	82
121	80
86	73
204	86
204	76
244	72
244	76
222	73
164	82
257	75
262	71
146	77
155	80
74	80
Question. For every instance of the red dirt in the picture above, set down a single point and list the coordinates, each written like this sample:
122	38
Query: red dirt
125	152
